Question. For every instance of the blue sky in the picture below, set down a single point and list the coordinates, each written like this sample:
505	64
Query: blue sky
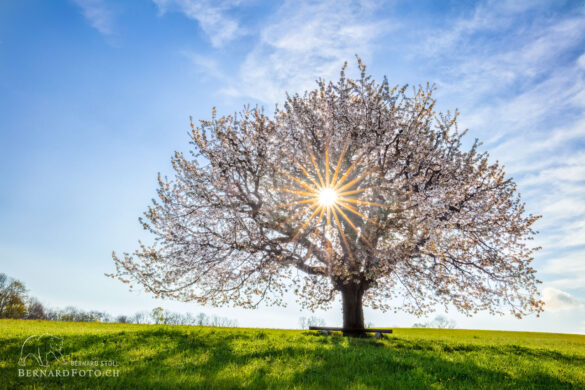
95	95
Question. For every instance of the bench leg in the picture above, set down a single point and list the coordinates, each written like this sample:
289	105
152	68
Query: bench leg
325	332
379	335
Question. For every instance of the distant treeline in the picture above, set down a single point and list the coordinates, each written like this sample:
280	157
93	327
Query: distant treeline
15	303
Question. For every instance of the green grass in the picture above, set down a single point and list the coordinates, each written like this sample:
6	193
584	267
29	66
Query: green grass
174	357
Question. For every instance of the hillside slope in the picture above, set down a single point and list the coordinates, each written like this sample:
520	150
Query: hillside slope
127	356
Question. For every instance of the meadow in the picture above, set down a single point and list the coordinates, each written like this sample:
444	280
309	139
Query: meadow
175	357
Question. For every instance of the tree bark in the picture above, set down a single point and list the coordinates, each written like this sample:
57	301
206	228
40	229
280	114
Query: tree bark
353	312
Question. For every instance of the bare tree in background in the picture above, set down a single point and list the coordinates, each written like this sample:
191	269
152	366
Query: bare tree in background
35	310
440	321
354	188
306	322
140	318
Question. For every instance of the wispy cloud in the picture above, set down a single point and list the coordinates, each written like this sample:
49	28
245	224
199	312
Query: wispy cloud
505	78
206	65
98	14
305	40
557	300
212	15
486	17
567	271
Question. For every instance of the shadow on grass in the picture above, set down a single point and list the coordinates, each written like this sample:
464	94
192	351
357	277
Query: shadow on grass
163	358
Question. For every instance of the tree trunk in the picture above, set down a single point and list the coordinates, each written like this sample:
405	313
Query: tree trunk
353	312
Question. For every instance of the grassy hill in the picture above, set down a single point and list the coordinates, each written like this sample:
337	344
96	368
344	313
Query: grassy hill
173	357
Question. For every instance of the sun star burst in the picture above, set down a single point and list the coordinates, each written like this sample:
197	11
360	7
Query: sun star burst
329	197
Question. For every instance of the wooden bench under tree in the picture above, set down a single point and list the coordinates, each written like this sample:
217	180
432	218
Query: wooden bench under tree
327	330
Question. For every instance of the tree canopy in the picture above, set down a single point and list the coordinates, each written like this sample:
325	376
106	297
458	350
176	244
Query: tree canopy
355	187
